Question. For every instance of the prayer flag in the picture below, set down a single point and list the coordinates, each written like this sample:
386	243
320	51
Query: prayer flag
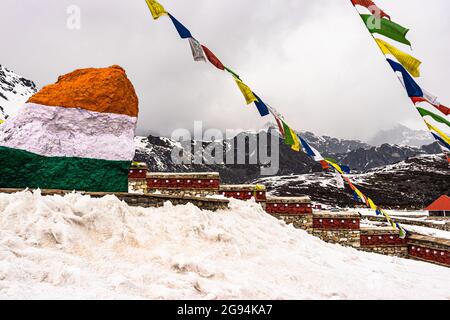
156	9
182	30
372	205
290	138
234	74
246	91
412	88
432	101
339	181
372	7
409	62
386	28
197	50
436	117
442	135
261	106
213	59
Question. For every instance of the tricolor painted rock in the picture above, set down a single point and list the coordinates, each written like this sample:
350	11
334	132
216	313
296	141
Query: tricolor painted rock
76	134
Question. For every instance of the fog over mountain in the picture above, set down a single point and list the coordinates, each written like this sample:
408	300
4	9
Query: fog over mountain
403	136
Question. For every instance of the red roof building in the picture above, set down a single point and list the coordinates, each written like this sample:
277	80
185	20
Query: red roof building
440	208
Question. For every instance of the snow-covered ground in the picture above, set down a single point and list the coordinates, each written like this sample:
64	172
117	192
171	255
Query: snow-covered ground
428	231
422	216
396	213
83	248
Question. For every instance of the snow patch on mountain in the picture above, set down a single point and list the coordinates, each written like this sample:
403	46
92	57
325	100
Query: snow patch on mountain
14	92
402	136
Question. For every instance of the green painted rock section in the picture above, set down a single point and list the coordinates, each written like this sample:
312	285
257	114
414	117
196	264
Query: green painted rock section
22	169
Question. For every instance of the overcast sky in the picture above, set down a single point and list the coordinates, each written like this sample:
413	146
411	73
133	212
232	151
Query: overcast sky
312	60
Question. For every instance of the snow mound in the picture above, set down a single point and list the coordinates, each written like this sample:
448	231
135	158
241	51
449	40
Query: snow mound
77	247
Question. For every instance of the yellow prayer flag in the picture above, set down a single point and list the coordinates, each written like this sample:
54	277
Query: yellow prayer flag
296	145
246	91
336	166
442	134
372	204
393	225
409	62
156	9
360	194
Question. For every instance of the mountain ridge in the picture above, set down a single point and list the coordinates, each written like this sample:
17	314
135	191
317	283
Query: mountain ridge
360	156
403	136
14	91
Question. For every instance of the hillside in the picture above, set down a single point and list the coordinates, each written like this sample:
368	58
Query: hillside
413	183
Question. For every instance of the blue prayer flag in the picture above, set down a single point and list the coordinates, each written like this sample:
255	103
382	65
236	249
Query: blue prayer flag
346	169
411	86
182	30
307	148
438	138
262	108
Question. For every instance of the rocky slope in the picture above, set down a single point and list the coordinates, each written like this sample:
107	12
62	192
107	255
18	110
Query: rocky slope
156	151
413	183
386	154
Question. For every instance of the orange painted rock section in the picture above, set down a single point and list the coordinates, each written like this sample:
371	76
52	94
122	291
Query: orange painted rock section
105	90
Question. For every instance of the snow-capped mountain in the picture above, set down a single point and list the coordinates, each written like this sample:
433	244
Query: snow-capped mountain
156	151
386	154
14	91
329	145
403	136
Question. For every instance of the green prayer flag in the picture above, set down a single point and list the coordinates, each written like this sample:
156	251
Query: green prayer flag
232	72
436	117
289	140
386	28
332	160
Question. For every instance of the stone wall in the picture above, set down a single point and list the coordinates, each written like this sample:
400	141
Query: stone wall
299	221
342	228
244	192
183	184
292	210
429	249
383	241
138	170
137	186
289	205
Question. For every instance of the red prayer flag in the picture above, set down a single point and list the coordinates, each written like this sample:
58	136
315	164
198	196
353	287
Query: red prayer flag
369	4
440	107
280	126
325	165
213	59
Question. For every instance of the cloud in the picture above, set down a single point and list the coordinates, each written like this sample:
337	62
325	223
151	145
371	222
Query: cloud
312	60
